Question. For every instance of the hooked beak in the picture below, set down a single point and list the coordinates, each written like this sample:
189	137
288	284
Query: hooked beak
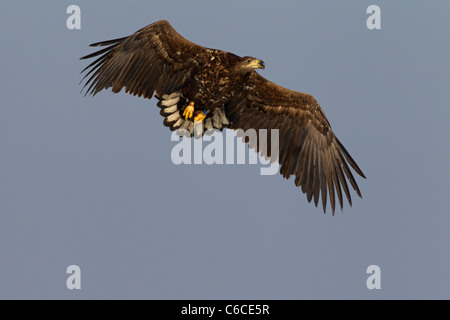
257	64
261	64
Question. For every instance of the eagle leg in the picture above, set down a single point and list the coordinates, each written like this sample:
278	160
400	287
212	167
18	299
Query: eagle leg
189	111
200	116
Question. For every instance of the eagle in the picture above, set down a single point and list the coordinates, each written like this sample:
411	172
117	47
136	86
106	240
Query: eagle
219	89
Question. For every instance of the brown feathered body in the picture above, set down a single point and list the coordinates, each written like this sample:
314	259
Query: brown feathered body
156	59
215	88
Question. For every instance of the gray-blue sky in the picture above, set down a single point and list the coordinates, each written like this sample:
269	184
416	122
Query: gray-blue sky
89	181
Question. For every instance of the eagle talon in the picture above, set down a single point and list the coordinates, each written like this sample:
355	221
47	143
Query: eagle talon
199	116
189	111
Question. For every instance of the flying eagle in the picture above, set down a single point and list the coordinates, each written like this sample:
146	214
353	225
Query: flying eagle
219	89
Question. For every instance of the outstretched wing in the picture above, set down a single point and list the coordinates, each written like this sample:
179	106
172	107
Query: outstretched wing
308	147
154	58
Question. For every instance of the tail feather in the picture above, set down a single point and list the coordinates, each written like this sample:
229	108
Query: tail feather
172	107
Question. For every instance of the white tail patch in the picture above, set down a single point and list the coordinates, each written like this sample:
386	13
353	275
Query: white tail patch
219	119
172	106
171	109
170	102
173	117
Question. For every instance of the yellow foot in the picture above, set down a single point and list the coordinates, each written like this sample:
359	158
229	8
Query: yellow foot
189	111
199	116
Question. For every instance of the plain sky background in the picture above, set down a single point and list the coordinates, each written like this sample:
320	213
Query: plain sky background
89	181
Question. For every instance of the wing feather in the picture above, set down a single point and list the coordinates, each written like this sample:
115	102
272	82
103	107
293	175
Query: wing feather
309	149
155	58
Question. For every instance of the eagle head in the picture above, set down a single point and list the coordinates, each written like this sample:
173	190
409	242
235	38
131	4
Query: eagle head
247	64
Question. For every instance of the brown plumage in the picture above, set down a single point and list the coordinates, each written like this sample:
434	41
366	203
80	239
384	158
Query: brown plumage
224	85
